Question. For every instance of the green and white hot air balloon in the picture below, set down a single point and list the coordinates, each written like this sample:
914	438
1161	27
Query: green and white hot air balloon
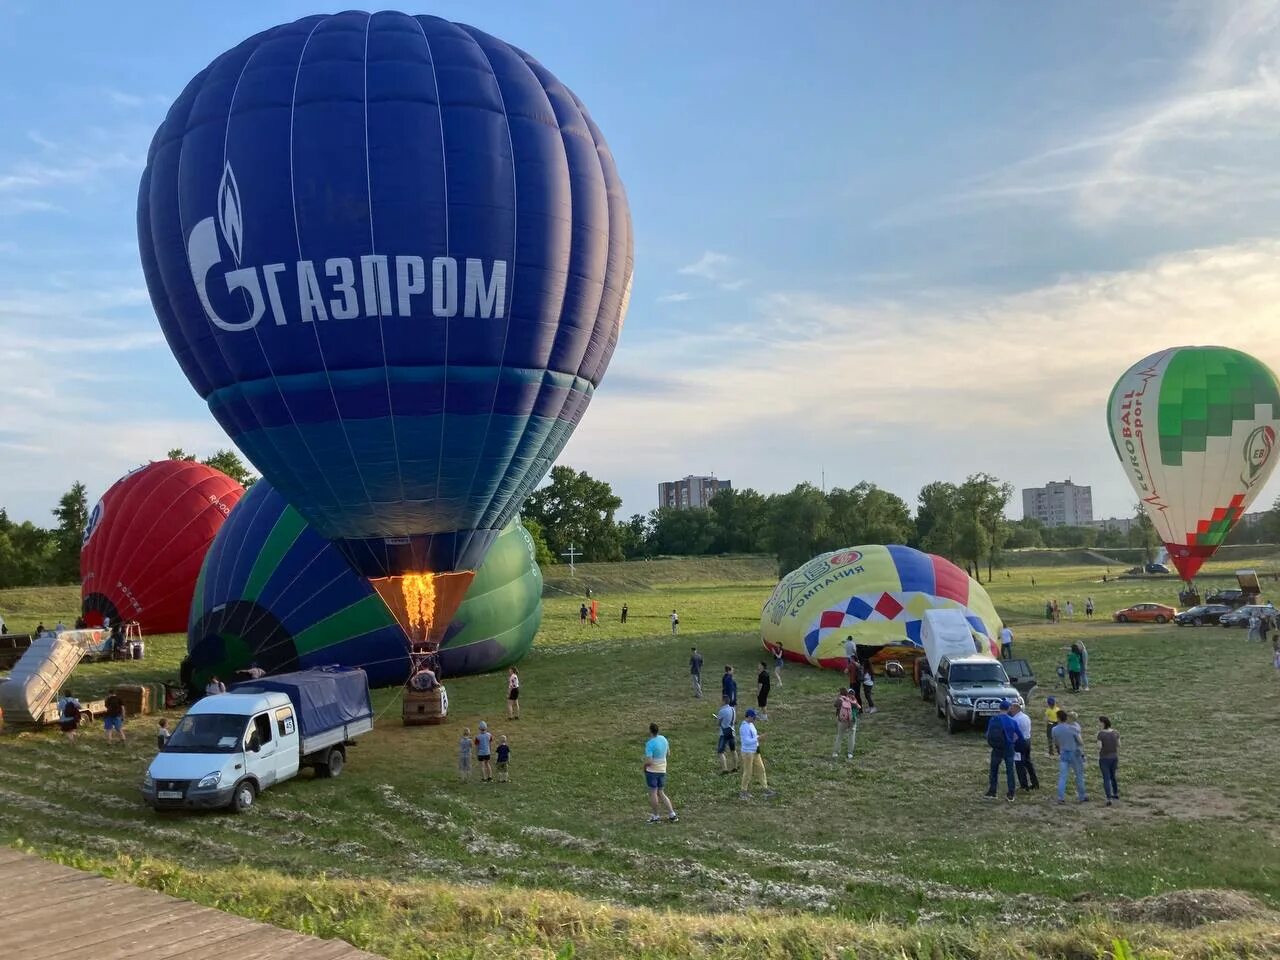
1195	428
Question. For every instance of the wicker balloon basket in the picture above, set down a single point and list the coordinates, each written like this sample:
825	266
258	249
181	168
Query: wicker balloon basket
422	707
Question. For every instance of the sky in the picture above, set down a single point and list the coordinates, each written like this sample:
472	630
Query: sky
886	242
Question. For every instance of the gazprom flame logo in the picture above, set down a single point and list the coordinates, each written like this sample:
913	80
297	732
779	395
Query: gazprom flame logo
230	218
1257	453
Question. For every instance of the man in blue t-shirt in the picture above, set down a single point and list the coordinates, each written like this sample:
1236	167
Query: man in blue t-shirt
656	750
1002	734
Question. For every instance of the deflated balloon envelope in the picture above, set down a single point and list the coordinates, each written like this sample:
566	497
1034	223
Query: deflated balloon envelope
876	594
1195	429
145	542
394	255
273	591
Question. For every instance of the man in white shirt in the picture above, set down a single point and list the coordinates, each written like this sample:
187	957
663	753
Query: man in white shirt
1006	643
752	762
1023	763
850	651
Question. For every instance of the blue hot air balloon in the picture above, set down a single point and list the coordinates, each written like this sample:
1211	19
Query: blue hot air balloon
394	255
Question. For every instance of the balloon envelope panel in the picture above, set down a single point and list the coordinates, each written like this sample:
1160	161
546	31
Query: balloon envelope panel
876	594
145	542
273	591
1195	429
393	253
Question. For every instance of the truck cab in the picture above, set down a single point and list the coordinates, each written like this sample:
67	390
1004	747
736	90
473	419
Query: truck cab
224	752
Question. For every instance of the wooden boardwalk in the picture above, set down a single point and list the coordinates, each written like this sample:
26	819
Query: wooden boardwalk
54	913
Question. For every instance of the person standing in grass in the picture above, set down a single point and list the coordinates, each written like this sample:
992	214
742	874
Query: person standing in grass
762	691
1050	721
752	762
846	721
162	734
675	623
484	752
69	717
725	747
513	694
1088	608
656	751
1109	758
1084	666
729	686
624	613
777	664
113	721
1026	766
868	681
464	755
1006	643
582	615
853	670
695	672
504	758
1002	734
1074	665
1071	610
850	654
1066	736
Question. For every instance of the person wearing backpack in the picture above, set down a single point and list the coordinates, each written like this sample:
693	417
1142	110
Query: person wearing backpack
1002	734
846	721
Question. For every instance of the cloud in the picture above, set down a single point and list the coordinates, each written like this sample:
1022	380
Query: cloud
709	266
121	98
1208	146
905	392
715	268
679	297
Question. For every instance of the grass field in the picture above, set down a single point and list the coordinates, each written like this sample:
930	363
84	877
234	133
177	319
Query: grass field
894	855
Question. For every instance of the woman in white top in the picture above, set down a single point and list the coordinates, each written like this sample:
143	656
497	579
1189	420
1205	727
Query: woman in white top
513	694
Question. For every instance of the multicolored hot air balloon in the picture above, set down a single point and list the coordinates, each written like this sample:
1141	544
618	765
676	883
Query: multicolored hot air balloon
876	594
274	592
1195	428
394	255
145	542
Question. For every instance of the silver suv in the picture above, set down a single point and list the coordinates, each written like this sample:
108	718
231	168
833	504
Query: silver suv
968	689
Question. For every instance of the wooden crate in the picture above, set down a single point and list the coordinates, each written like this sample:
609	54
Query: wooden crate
425	707
136	697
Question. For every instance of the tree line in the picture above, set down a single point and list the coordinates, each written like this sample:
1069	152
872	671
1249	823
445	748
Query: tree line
964	522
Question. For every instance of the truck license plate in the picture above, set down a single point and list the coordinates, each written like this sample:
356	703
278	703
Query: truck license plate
169	794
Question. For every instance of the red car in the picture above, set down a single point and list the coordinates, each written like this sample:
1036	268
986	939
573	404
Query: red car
1144	613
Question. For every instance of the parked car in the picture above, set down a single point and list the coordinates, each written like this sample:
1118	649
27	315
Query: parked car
1198	616
1145	613
1239	617
1157	568
1232	597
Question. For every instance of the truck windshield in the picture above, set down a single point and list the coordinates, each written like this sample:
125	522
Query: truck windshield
208	733
978	673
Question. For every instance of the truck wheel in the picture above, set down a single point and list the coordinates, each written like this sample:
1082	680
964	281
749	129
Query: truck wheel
332	765
243	797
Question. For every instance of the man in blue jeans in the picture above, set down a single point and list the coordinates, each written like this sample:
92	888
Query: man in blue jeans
1066	737
1002	734
656	751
